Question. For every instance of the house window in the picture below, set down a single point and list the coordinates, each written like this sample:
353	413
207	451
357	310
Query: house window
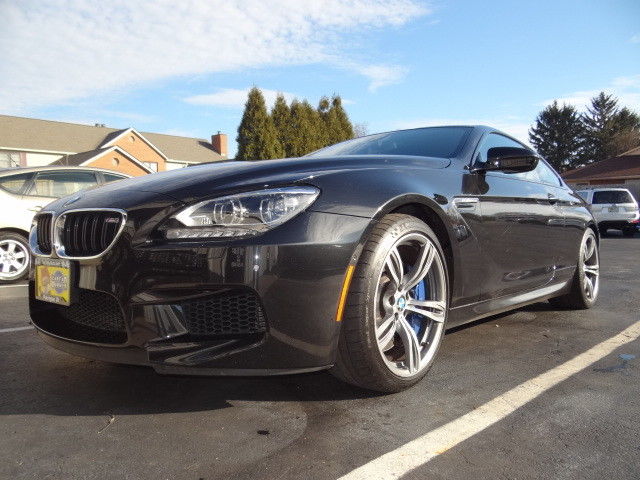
153	166
9	159
132	139
115	162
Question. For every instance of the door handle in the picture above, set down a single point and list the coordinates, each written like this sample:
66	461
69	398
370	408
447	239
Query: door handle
552	199
465	203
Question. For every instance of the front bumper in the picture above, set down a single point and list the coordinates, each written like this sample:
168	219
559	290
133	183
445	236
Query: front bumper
294	274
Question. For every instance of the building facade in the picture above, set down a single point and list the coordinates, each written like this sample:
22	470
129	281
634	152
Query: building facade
621	171
30	142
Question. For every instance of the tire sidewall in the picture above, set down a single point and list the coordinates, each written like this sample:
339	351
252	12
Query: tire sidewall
581	276
371	275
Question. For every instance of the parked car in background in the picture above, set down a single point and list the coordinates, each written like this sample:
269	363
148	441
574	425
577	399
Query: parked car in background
613	208
25	191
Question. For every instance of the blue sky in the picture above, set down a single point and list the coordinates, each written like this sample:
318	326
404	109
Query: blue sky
183	68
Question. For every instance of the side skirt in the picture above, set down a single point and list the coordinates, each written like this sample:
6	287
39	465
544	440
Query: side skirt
475	311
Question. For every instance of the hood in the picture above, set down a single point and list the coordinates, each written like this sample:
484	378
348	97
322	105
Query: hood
191	184
188	184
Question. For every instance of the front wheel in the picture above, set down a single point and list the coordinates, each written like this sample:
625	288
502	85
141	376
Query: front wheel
586	281
14	257
396	307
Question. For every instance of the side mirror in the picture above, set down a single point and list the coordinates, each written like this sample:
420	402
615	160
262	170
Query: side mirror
510	160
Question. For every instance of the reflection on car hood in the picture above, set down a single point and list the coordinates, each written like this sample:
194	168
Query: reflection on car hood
206	180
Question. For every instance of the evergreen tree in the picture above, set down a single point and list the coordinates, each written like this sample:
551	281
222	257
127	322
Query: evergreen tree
281	116
346	128
600	128
556	135
257	137
627	126
307	127
337	125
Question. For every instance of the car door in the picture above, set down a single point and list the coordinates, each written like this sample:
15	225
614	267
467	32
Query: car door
48	186
517	225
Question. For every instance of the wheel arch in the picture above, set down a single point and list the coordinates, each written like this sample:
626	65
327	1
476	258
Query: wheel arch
430	212
15	230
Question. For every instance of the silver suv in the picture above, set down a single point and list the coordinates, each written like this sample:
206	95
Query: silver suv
23	192
613	208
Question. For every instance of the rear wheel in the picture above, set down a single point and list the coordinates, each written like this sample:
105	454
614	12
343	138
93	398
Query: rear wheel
396	307
586	281
14	257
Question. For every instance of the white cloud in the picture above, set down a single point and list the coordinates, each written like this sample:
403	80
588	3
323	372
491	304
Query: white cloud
635	39
511	126
627	89
62	50
235	97
381	75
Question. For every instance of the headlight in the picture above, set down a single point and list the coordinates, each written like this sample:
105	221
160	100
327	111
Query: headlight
240	215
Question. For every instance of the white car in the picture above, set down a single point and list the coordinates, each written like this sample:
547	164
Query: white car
25	191
613	208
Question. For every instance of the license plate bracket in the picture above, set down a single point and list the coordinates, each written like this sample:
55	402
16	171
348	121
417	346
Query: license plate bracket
54	280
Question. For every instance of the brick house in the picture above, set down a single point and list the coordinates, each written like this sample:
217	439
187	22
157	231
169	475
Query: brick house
621	171
30	142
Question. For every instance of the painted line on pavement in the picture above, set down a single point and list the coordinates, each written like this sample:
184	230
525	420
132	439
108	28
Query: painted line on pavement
414	454
15	329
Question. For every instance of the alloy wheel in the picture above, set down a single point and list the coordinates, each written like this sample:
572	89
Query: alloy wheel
590	266
411	304
14	259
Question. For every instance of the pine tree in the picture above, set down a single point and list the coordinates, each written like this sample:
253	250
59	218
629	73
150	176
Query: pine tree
627	125
281	116
307	127
257	137
556	135
599	128
346	128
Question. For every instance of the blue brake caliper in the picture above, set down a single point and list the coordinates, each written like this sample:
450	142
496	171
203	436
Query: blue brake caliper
419	292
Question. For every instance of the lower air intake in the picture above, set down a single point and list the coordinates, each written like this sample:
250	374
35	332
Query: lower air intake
229	313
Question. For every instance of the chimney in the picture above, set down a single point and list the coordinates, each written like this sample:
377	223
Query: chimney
219	142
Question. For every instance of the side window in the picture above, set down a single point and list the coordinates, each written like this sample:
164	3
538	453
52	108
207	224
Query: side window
15	183
546	174
60	184
584	195
108	177
496	140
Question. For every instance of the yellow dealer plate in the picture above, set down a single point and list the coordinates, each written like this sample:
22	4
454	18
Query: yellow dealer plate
53	280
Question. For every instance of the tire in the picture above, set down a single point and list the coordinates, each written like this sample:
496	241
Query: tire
629	232
586	280
381	311
15	257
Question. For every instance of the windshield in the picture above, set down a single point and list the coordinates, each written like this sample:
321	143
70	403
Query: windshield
612	196
441	142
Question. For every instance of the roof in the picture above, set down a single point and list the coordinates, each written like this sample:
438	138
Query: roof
633	151
623	166
82	158
21	133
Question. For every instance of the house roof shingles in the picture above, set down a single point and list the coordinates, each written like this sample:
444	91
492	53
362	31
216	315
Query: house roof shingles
60	137
623	166
78	159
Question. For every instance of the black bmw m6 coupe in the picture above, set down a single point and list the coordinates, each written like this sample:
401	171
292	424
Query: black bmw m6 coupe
355	258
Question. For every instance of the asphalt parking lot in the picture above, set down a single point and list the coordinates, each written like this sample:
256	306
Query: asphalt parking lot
67	417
